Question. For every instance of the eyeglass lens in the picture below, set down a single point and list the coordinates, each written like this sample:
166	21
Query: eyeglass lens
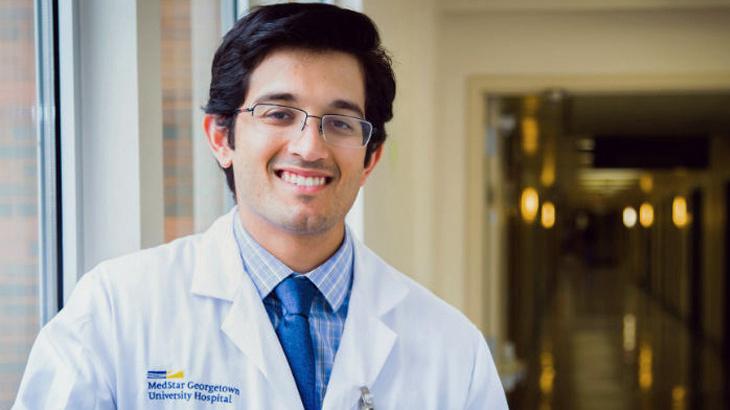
341	130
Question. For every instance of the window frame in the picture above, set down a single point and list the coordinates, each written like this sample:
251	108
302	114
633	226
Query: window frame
71	267
49	222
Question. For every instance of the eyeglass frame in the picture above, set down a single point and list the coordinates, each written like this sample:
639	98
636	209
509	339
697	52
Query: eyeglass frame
319	117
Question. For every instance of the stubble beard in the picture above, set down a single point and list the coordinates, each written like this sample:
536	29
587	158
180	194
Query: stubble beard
269	207
304	224
291	219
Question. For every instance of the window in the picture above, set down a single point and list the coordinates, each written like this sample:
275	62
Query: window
27	168
194	187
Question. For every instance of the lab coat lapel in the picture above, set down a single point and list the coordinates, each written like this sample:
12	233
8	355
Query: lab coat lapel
219	274
366	340
249	327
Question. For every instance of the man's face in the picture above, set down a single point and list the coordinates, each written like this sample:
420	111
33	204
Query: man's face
279	178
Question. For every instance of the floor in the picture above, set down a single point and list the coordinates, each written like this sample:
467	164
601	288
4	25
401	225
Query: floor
605	344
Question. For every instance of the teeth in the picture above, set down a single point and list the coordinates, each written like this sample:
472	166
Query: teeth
301	180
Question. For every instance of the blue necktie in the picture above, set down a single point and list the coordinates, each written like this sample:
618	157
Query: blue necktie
295	294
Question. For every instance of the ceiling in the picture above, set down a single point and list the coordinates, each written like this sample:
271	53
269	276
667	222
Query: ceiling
668	114
471	6
580	118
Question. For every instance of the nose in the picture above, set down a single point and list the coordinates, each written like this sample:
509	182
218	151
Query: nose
310	144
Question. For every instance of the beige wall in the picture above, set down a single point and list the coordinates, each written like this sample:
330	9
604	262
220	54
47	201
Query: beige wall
416	211
399	198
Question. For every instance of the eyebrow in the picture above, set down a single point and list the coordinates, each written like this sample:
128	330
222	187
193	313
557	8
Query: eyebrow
347	105
287	97
290	98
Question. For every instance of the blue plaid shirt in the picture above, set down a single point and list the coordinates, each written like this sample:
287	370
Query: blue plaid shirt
327	316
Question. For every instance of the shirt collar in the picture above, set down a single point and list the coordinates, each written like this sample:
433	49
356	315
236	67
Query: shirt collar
332	278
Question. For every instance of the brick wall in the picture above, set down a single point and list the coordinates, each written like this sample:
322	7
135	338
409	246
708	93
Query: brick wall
177	109
18	195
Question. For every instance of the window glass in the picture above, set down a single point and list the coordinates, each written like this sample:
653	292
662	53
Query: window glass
190	32
19	246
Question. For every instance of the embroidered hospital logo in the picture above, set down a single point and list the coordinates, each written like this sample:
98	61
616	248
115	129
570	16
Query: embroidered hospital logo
167	385
165	374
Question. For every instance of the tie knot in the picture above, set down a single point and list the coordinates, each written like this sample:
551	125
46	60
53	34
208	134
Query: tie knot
296	294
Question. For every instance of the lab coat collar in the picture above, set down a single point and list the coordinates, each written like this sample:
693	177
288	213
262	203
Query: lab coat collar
218	270
366	340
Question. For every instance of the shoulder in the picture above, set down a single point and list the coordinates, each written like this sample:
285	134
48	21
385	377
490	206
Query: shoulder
156	260
419	308
437	318
136	279
149	268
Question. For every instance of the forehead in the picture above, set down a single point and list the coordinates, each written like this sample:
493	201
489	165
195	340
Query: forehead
313	78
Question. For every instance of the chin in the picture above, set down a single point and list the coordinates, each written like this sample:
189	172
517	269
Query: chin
309	225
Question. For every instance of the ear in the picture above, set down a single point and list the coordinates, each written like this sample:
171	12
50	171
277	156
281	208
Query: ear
217	137
374	159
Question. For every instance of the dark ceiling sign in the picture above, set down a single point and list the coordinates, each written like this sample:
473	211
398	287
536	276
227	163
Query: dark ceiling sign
651	151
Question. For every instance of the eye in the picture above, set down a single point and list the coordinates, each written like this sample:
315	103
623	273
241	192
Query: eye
279	114
275	115
341	124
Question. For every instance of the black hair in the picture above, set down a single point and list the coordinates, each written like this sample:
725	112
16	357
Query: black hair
316	27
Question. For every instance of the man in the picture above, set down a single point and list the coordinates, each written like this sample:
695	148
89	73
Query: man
276	306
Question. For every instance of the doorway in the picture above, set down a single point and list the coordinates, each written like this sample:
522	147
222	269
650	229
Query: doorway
580	261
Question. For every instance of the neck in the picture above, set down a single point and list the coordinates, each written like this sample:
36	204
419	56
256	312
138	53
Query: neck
300	252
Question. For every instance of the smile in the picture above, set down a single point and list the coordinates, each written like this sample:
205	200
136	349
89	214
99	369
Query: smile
303	180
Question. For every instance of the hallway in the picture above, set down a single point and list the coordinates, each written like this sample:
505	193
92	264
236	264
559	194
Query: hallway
605	344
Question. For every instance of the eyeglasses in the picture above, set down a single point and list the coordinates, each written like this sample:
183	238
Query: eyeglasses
336	129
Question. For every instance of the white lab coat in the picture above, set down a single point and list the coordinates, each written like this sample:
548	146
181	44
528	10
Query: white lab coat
188	308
